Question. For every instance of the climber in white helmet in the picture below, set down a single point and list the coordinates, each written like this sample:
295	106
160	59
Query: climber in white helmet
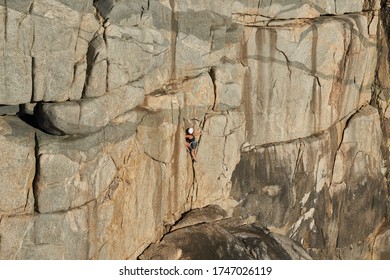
191	142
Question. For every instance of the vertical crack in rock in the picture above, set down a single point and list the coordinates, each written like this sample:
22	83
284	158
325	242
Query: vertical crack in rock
213	80
314	50
74	74
33	62
194	186
193	193
30	8
5	20
174	30
143	9
35	179
371	18
225	136
88	71
288	63
315	103
178	149
341	142
5	42
108	64
79	27
104	24
27	196
33	66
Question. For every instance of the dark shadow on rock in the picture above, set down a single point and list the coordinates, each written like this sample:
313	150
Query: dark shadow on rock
207	234
30	120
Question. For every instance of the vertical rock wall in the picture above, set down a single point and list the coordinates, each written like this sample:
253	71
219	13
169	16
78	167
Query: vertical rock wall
308	170
288	95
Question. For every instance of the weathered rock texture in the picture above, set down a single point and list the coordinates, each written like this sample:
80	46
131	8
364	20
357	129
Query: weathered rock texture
206	234
290	100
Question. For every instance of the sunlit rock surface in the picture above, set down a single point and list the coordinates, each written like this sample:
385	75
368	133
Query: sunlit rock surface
289	101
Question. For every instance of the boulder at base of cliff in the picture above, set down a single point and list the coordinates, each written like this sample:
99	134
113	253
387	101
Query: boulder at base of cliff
207	233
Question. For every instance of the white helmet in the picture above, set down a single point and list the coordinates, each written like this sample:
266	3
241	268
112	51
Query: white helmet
190	130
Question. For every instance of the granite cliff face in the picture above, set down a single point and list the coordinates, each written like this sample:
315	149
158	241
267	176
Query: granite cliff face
291	97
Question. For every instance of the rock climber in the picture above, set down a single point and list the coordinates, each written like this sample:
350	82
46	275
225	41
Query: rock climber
191	142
